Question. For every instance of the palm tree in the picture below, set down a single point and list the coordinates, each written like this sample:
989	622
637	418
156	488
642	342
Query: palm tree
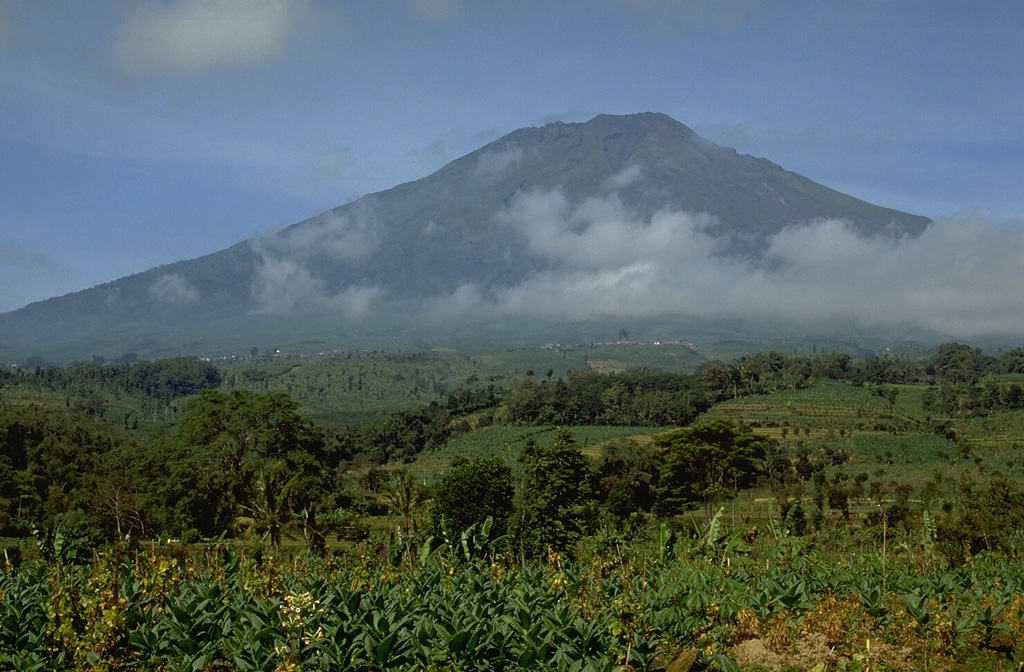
268	510
402	497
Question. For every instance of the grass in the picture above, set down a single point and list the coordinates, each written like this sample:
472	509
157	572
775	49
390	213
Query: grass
508	441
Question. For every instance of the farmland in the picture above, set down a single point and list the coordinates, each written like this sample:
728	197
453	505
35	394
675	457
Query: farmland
677	602
868	513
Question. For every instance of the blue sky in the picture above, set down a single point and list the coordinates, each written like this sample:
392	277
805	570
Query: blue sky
135	133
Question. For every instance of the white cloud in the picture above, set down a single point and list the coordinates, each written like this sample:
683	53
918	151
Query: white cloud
285	286
285	281
464	301
601	259
172	288
961	276
189	36
625	177
336	236
601	232
490	166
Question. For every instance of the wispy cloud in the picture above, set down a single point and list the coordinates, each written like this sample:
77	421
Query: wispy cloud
286	280
490	166
174	289
285	286
189	36
631	174
353	235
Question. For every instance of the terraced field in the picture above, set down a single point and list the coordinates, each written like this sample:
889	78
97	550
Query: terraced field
825	408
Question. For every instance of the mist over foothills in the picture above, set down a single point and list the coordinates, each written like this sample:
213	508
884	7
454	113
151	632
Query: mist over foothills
620	220
603	261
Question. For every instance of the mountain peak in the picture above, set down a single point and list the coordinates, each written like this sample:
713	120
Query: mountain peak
487	223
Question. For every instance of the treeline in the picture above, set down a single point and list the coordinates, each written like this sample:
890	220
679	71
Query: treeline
611	399
252	466
244	464
162	379
238	464
955	373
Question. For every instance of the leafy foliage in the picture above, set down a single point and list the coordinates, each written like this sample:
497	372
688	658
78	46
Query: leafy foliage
243	453
708	462
694	606
557	487
472	491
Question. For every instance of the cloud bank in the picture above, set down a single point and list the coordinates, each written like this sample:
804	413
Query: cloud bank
961	276
190	36
597	258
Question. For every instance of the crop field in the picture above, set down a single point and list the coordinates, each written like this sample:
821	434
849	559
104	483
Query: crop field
826	407
337	390
890	443
684	603
1004	431
905	459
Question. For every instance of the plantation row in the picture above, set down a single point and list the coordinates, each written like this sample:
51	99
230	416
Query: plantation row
709	602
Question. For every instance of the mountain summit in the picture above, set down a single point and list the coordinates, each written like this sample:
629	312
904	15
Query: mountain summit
553	210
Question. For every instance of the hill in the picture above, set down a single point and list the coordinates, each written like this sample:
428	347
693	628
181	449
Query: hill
468	249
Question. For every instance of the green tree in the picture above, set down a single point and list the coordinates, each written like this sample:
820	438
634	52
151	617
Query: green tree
708	462
557	487
403	496
628	474
472	491
53	465
226	444
959	363
268	509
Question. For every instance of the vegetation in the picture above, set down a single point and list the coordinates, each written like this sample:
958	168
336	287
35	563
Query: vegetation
712	600
843	501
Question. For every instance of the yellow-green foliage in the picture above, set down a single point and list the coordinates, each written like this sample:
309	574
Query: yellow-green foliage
705	601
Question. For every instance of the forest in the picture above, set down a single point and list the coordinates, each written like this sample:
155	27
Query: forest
772	512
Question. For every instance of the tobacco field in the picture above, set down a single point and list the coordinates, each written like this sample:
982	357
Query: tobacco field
708	602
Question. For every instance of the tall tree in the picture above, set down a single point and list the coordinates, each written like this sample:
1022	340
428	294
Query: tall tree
556	489
227	443
629	474
708	462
